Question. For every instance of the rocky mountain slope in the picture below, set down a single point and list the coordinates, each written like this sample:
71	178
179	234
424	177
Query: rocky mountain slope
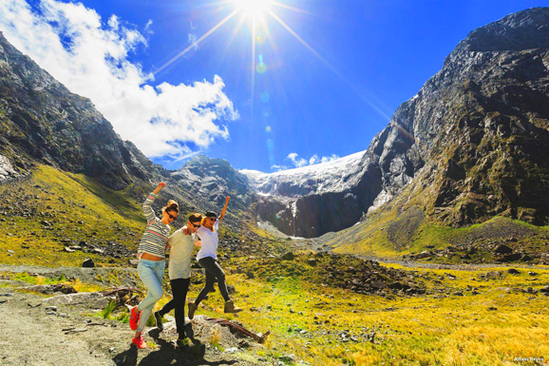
41	121
479	129
43	124
473	143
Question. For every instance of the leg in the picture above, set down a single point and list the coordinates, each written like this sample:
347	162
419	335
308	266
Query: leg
152	274
221	282
180	287
210	280
213	268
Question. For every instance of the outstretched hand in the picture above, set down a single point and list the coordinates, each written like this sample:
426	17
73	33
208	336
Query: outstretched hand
222	215
159	187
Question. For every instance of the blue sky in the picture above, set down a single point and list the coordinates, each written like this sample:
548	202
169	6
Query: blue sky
323	95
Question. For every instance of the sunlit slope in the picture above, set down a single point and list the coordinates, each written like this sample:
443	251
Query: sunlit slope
51	210
56	218
403	230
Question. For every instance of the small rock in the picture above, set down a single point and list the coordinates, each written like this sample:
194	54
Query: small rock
287	358
231	350
88	263
288	256
244	343
133	262
503	249
513	271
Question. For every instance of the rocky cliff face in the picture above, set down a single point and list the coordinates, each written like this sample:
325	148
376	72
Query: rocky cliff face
474	142
208	181
481	124
42	121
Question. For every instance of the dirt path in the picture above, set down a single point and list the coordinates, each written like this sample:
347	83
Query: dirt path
71	336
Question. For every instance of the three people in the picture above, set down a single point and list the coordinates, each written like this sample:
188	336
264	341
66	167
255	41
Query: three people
199	231
182	242
152	249
207	258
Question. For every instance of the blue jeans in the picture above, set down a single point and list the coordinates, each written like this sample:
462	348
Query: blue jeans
152	274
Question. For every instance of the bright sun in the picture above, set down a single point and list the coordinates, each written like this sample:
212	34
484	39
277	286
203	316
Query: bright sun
253	8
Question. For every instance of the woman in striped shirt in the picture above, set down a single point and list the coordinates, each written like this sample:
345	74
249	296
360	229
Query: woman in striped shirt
151	252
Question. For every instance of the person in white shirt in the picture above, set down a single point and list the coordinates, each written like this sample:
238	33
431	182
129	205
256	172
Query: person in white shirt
182	243
207	258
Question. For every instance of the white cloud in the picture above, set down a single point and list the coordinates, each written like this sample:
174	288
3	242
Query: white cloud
296	160
300	162
90	57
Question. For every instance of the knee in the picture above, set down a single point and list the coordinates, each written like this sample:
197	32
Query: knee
221	277
157	294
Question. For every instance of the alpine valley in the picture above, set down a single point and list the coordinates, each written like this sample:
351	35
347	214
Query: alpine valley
455	187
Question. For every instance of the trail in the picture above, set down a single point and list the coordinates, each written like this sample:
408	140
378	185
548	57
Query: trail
70	335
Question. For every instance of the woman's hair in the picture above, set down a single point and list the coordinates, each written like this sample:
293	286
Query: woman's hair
195	217
171	206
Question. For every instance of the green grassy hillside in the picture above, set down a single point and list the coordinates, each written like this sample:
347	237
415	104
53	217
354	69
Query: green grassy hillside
403	231
57	218
51	210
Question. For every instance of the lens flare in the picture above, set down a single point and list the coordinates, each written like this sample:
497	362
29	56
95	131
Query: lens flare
253	8
264	97
261	67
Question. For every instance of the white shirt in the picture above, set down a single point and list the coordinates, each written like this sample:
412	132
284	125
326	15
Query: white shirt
209	241
180	254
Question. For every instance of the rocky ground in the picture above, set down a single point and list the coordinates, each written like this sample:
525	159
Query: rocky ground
68	330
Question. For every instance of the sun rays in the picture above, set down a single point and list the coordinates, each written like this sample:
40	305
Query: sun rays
256	14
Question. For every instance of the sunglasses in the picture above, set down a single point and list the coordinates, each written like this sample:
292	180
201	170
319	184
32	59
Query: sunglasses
171	216
195	225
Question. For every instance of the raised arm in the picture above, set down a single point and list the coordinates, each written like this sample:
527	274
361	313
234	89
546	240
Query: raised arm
147	209
222	215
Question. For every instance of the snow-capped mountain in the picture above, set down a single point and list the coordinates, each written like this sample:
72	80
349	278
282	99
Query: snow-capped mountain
332	176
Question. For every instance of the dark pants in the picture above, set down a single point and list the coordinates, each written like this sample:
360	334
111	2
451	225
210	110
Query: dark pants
180	287
213	273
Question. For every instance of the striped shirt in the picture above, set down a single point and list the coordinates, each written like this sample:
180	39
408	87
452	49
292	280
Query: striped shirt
156	234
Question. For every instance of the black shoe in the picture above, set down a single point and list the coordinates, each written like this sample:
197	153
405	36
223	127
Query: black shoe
158	319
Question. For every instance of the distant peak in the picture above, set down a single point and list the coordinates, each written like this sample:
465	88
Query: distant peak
526	29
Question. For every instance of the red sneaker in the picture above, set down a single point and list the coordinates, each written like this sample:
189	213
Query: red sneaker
139	342
134	318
